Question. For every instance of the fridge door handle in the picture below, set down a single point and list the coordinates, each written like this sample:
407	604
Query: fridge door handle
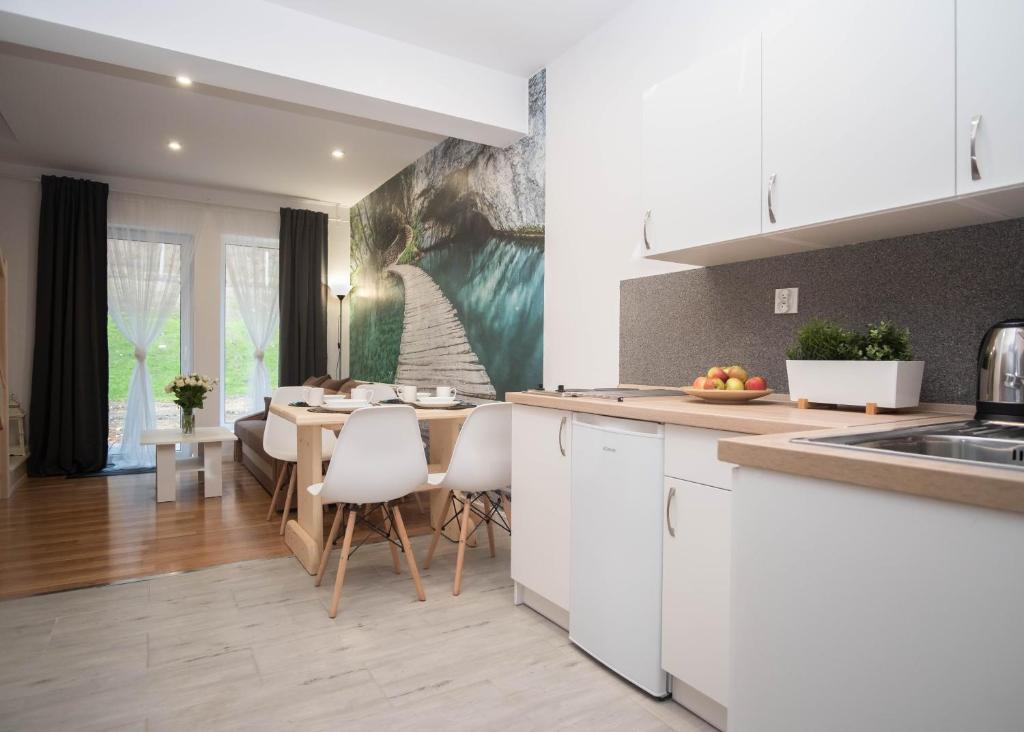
561	430
668	512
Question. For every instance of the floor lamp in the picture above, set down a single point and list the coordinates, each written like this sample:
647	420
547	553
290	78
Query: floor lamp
339	289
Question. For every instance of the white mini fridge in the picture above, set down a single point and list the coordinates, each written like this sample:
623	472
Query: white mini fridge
618	475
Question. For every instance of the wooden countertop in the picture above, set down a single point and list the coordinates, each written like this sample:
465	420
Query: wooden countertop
765	416
975	485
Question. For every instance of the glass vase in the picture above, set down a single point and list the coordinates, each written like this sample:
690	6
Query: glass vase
188	421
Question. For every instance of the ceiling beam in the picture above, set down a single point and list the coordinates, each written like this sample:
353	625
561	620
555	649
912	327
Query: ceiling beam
264	49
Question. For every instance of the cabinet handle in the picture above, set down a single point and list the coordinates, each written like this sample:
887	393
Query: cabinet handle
561	428
771	188
668	509
975	122
647	217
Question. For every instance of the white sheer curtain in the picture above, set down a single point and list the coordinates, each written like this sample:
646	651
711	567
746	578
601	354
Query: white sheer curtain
143	291
149	256
252	272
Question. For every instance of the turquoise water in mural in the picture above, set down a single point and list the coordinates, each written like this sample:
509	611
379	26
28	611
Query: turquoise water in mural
498	291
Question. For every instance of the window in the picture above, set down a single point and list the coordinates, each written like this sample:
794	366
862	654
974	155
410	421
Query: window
147	294
250	326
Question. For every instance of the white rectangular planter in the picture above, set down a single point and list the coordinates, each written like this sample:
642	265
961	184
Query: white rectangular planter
889	384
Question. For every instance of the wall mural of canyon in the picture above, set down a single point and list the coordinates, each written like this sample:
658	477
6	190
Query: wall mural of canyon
448	268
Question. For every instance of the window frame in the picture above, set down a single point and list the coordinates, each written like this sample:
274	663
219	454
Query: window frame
240	240
186	305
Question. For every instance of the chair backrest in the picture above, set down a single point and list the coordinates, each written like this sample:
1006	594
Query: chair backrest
382	392
482	459
287	394
379	457
280	437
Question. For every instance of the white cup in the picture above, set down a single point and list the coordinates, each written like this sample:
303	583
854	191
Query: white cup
314	396
446	392
407	393
362	393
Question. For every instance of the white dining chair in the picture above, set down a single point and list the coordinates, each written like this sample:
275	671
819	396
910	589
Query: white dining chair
382	392
280	441
480	468
378	459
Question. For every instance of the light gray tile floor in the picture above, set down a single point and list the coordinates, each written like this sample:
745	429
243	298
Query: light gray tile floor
249	646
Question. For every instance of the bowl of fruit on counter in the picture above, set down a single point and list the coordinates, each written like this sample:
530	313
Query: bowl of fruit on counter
728	384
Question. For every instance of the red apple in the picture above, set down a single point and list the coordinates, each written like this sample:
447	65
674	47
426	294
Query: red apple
714	384
734	384
717	372
757	383
698	383
737	372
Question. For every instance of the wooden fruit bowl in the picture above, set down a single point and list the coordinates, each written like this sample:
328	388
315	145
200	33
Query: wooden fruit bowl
737	396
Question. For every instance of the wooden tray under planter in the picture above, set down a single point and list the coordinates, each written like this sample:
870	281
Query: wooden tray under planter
869	408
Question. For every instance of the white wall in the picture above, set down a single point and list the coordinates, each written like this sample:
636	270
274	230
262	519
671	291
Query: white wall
19	222
593	208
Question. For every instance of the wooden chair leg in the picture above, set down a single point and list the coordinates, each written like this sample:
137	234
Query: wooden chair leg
506	503
346	547
277	489
463	531
437	534
409	558
331	538
288	498
419	502
490	524
390	524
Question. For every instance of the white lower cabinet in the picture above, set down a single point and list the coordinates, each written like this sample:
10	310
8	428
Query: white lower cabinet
541	480
861	609
696	586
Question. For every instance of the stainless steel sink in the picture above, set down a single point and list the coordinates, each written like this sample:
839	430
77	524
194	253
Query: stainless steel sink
986	443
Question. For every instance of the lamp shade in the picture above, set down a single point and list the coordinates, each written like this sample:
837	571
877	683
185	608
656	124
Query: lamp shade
339	288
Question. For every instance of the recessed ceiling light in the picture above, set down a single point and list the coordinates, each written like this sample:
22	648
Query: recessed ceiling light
174	145
183	80
337	153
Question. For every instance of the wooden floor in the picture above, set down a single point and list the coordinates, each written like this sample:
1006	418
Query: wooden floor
58	534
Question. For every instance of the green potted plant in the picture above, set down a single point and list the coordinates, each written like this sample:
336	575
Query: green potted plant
833	365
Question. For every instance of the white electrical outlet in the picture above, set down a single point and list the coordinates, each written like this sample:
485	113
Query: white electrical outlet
786	300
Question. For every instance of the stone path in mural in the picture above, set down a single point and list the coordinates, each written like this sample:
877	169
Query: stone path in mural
434	348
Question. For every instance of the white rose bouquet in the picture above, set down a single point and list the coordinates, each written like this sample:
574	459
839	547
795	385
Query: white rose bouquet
190	391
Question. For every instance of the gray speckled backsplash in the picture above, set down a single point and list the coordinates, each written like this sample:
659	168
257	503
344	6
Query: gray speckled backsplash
948	287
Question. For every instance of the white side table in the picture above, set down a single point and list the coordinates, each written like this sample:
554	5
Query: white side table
208	463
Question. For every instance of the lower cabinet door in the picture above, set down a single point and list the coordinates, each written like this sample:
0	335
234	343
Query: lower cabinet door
541	446
695	589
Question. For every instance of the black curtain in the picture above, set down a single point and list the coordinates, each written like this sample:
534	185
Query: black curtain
68	424
303	297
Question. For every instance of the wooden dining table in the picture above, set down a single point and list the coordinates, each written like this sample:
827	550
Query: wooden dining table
305	536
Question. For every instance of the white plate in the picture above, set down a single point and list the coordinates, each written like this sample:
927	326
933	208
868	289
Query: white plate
345	405
434	402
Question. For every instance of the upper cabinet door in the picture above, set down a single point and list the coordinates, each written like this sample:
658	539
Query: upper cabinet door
990	94
701	152
859	108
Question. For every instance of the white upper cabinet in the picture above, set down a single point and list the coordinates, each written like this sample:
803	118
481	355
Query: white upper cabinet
859	109
990	89
702	152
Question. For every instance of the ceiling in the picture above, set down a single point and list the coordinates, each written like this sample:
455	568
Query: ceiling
519	37
68	114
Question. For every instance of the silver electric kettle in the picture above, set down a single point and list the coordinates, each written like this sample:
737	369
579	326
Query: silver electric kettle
1001	372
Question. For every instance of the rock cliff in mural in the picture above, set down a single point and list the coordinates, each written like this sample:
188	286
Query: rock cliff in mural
448	268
